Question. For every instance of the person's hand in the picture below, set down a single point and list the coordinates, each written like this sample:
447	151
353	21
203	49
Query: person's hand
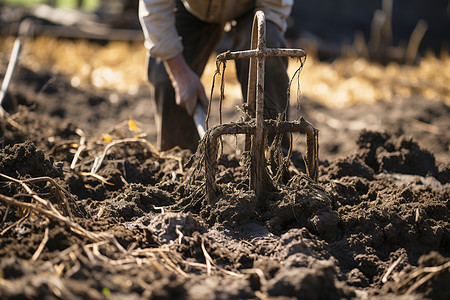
187	85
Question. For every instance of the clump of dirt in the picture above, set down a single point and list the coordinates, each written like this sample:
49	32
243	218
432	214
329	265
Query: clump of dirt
21	160
350	166
385	153
376	223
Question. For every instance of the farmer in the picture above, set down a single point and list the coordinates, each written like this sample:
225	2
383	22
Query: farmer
180	37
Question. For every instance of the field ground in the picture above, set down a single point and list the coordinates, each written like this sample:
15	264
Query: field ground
375	225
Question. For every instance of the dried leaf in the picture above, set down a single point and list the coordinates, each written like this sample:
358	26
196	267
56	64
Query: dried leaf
107	138
96	176
140	135
132	125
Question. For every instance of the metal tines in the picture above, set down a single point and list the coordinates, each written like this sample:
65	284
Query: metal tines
255	127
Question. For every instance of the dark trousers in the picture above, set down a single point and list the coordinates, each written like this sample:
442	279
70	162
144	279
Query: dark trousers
174	126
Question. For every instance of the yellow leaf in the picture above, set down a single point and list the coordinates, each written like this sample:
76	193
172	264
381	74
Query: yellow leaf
107	138
132	126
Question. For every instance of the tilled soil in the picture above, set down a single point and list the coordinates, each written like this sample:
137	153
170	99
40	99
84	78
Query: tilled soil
375	225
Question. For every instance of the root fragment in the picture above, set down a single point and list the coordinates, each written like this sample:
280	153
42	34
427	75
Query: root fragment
41	246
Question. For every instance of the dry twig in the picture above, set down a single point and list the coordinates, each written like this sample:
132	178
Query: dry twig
41	246
210	263
96	176
391	268
50	212
81	148
427	273
15	224
144	142
61	193
208	258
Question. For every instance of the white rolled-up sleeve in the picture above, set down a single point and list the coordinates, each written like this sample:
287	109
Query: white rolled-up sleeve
157	18
276	11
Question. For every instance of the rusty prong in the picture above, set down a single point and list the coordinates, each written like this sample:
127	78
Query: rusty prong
259	175
261	53
212	146
312	141
249	128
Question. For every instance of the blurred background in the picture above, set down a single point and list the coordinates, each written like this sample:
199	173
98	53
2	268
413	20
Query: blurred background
358	51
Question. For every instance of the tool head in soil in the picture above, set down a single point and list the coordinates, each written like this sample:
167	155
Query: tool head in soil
254	126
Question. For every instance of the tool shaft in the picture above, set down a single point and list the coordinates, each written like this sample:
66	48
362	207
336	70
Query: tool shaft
199	119
10	70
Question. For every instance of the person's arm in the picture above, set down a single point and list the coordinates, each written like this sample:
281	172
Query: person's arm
187	85
276	11
157	19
